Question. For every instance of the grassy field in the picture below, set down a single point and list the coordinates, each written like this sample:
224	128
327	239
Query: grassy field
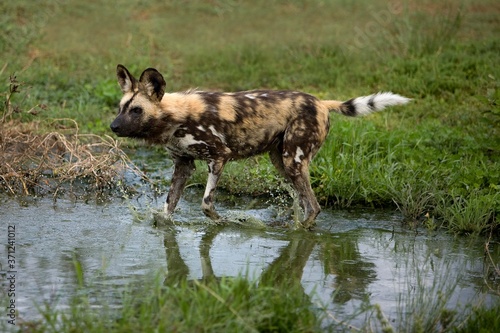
437	159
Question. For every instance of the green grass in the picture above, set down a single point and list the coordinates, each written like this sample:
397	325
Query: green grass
231	305
482	321
175	304
437	157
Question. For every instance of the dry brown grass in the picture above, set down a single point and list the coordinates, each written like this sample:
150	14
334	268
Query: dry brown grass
33	164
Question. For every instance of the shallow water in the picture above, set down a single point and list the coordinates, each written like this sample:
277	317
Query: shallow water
352	258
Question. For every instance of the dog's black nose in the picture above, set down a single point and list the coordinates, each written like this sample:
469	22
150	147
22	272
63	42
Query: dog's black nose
114	127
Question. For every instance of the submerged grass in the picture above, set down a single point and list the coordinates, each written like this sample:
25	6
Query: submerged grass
436	315
437	159
225	305
275	302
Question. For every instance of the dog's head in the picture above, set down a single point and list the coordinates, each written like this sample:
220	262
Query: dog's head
140	105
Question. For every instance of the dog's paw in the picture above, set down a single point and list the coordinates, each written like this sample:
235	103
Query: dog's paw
160	218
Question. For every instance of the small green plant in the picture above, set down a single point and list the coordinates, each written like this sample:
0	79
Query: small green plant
471	214
414	199
8	109
492	106
482	320
14	106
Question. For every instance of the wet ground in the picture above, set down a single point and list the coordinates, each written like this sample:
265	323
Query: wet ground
352	258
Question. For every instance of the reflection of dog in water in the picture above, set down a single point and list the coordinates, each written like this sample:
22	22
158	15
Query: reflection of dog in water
339	258
286	269
218	127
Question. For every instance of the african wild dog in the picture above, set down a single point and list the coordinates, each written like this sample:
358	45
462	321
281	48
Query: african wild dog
218	127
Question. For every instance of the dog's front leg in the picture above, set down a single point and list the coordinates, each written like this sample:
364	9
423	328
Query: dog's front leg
215	168
183	169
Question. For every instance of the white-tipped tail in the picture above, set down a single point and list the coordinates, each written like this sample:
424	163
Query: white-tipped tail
366	104
377	102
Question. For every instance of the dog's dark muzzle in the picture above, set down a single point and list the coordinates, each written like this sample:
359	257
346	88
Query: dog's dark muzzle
116	127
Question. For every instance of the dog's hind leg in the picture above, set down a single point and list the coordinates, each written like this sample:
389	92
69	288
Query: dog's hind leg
296	169
296	157
301	184
183	169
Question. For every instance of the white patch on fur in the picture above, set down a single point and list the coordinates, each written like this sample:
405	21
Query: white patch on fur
217	134
189	140
251	96
126	97
201	128
211	181
379	101
298	154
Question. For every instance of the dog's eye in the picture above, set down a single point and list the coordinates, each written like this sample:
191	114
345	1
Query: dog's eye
136	110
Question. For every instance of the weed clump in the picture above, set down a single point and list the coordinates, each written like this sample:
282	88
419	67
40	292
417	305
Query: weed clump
32	163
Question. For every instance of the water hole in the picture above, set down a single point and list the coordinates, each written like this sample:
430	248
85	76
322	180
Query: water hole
353	257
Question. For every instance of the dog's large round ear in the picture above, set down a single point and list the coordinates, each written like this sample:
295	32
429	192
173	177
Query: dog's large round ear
154	83
126	81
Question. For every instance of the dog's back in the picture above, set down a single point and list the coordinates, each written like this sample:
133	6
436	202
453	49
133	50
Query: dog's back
205	125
